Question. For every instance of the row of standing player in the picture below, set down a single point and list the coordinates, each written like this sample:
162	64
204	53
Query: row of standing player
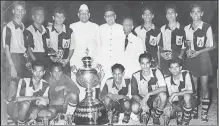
198	33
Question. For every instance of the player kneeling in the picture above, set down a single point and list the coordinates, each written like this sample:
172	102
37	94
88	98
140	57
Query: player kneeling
180	89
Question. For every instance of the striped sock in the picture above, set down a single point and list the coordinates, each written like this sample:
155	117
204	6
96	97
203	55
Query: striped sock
21	122
71	108
195	110
158	112
187	113
205	105
10	121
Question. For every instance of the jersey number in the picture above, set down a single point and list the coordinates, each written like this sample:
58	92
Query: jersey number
179	40
200	41
65	43
153	41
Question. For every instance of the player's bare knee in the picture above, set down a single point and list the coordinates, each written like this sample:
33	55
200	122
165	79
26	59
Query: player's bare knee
136	98
163	96
73	98
127	105
187	98
25	105
53	112
135	107
107	100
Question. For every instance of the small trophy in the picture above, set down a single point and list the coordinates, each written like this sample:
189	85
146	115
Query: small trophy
110	117
166	119
179	116
69	119
189	51
28	62
145	117
45	121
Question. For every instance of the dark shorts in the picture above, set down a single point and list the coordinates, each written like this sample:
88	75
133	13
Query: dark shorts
13	109
200	65
181	101
43	58
19	62
58	108
164	64
67	69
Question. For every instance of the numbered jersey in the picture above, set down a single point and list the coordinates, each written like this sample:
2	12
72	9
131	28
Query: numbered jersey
201	37
172	40
58	42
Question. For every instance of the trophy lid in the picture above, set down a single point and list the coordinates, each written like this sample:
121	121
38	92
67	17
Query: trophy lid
87	60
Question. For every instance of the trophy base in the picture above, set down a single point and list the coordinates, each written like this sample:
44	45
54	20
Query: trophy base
90	112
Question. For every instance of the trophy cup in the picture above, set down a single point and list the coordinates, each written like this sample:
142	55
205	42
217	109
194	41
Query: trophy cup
145	117
189	51
89	111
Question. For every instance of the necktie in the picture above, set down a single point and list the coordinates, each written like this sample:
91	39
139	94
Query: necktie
126	41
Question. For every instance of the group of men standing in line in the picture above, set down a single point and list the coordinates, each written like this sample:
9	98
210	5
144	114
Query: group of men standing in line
117	52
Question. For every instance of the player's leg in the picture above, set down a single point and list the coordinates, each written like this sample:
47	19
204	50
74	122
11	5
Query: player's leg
205	98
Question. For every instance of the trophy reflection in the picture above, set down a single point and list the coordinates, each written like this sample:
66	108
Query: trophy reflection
89	111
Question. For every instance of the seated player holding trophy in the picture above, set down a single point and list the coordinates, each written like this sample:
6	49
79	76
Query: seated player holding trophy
31	98
148	91
180	89
63	93
114	95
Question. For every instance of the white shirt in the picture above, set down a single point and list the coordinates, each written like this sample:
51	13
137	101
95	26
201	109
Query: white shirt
37	38
172	88
140	83
166	36
86	35
53	40
112	44
16	41
190	35
29	90
131	55
141	33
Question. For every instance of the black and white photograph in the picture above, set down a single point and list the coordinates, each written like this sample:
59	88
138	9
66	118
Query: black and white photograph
109	62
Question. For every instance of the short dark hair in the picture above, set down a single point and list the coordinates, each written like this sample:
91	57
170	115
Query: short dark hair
22	3
36	8
170	6
128	17
147	8
118	66
145	55
36	63
56	64
194	6
59	10
175	60
109	8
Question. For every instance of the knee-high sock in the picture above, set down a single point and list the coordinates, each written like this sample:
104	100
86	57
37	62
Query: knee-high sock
21	122
158	112
195	110
187	113
71	108
205	105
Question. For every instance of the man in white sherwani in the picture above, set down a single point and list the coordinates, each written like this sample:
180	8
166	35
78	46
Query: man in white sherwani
86	35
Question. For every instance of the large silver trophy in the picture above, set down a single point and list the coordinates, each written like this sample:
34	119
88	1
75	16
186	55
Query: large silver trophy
89	111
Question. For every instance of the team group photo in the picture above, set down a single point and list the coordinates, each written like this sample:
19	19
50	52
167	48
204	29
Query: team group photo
109	62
